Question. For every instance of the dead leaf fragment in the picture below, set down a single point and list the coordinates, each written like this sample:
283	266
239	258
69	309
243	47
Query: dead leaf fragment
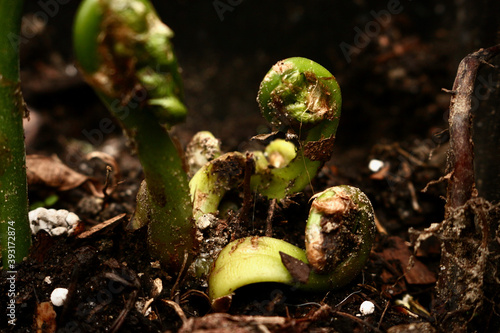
399	252
45	318
320	150
297	268
51	172
266	138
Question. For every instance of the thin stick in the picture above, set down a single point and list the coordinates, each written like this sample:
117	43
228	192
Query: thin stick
383	313
100	226
181	272
269	220
129	305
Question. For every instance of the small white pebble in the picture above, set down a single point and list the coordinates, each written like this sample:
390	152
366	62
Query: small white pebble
205	221
55	222
47	280
375	165
70	70
367	308
58	296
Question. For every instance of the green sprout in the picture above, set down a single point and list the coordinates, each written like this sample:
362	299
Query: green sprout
203	148
14	226
209	185
302	100
340	232
124	51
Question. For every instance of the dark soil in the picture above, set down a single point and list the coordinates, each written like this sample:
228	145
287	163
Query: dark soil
393	110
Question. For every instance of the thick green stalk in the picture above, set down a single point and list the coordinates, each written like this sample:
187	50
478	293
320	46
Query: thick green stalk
125	53
301	98
167	206
14	226
339	235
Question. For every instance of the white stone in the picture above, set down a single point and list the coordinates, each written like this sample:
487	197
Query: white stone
58	296
375	165
367	308
54	222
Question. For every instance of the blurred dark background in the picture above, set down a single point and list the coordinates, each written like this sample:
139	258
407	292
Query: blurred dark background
391	79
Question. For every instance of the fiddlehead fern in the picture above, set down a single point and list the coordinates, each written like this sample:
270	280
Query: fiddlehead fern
301	99
125	53
339	235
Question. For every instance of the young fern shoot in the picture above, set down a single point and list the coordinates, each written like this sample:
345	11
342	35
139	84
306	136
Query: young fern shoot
203	148
301	100
124	51
340	232
209	185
